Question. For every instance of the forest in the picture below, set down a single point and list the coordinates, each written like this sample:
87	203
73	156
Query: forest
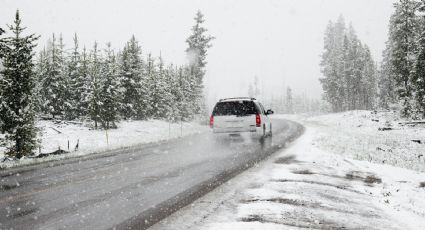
352	80
98	84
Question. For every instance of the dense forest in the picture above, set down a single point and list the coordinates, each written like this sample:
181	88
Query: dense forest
97	84
351	77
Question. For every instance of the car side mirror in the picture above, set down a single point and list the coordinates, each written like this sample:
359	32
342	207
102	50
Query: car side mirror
269	111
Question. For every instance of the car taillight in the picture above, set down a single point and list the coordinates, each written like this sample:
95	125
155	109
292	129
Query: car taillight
211	121
258	120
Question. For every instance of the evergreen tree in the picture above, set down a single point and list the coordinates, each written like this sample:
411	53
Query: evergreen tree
386	82
76	83
94	99
172	88
82	85
418	78
55	84
349	71
41	70
368	84
198	43
135	101
109	94
17	86
160	94
402	40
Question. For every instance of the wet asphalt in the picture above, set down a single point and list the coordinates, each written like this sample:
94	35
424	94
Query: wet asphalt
130	188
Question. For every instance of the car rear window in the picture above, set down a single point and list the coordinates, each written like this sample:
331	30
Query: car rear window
238	108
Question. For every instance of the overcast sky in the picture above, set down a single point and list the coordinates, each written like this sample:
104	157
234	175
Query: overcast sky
280	41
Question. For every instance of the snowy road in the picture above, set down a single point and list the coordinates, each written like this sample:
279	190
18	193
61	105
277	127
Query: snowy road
130	188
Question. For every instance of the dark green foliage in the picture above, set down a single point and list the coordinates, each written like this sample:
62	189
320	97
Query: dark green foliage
17	88
94	96
199	43
109	94
55	81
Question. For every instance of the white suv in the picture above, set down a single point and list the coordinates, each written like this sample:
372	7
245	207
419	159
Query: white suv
241	115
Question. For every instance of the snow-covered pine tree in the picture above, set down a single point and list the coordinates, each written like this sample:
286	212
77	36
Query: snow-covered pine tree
183	94
386	80
94	100
418	78
199	43
402	42
41	70
54	84
17	87
368	89
349	71
82	86
76	83
135	100
109	94
172	87
160	94
332	64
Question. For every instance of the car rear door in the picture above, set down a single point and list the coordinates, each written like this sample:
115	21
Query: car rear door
234	116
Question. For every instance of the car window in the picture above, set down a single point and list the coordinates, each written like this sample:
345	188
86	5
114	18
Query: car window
238	108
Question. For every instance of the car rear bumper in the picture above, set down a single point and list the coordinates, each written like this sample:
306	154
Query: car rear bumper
251	130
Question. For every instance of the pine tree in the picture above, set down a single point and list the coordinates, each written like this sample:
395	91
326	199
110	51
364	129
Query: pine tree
386	81
109	94
82	87
135	101
160	94
95	103
17	87
76	83
55	83
199	43
41	70
418	78
349	71
172	87
402	40
332	65
368	84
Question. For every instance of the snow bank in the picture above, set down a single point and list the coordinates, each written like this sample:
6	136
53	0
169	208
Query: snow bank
56	136
380	137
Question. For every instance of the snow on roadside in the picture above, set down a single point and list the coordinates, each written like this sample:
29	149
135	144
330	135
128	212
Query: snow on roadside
310	186
359	135
56	135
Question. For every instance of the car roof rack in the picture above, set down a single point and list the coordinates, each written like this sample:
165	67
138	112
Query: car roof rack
238	98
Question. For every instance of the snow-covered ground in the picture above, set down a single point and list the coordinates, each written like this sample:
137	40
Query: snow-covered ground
55	135
359	135
318	183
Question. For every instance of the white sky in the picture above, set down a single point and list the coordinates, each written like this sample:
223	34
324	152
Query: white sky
280	41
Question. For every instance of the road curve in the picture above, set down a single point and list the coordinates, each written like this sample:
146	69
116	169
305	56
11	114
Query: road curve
131	188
